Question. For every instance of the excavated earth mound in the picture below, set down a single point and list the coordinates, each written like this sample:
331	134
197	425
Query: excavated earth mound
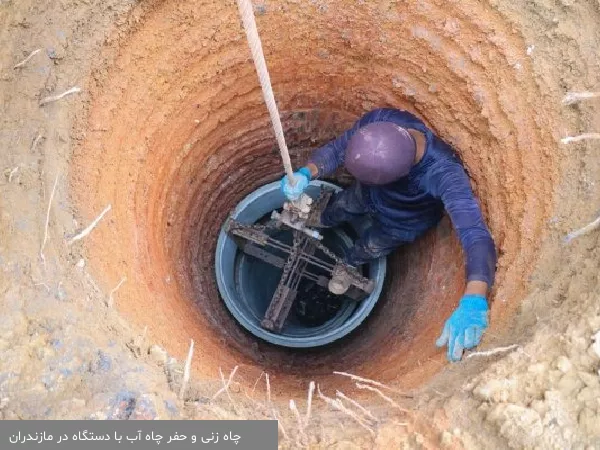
171	131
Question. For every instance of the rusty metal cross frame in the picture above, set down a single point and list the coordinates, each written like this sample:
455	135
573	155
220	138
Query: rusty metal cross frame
256	241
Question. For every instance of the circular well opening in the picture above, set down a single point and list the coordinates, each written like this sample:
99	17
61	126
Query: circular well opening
247	284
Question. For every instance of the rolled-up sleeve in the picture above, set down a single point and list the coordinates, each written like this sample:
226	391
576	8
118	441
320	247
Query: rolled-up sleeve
449	183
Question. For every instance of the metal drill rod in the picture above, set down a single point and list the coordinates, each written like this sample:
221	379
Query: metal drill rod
259	236
287	290
318	261
276	261
311	258
255	233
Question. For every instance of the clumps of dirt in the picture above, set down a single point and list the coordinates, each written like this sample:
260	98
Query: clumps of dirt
544	394
63	353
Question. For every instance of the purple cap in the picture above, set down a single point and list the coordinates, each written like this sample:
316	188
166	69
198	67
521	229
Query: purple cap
380	153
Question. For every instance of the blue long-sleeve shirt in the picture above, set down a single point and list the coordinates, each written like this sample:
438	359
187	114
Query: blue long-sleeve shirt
416	202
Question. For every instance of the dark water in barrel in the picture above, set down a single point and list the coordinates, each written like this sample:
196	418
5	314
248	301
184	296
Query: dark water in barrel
315	304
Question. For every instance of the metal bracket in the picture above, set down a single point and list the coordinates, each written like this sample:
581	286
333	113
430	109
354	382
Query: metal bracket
255	241
287	290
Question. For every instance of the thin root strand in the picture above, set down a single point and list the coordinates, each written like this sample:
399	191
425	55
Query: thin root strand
42	256
584	230
186	370
90	227
581	137
357	405
110	301
382	395
574	97
337	404
493	351
54	98
226	384
26	60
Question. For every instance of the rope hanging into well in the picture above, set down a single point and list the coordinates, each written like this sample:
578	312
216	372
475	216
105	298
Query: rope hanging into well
247	14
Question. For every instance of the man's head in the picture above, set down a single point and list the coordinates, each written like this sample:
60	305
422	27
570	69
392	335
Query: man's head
380	153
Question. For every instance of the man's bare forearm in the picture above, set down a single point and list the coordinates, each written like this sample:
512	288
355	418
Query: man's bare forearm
314	171
476	288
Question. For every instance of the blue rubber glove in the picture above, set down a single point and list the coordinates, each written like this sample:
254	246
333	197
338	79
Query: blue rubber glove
464	328
302	177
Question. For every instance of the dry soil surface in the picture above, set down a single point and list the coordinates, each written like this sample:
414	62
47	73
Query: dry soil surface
167	131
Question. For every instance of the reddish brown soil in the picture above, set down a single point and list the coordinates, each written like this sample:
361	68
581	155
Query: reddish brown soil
178	133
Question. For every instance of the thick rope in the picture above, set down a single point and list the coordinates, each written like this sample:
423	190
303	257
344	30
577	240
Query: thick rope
247	14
